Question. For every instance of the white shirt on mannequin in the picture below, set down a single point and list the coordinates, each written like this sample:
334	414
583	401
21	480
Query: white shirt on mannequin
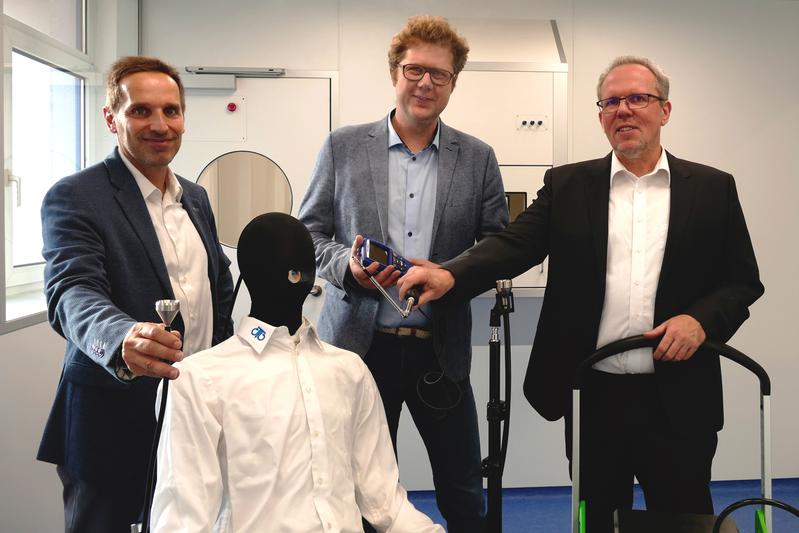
275	432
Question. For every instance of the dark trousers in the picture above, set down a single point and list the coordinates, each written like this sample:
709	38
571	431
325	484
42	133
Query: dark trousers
450	435
100	506
624	433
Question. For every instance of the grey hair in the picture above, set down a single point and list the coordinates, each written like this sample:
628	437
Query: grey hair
661	80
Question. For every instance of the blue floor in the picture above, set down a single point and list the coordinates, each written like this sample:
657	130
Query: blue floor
547	510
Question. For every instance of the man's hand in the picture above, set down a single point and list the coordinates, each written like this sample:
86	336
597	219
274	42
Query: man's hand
682	335
432	280
148	348
387	278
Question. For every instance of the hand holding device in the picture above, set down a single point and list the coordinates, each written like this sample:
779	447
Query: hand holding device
381	261
149	349
364	274
433	282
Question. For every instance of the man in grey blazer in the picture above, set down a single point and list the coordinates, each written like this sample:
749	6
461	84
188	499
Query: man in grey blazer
429	192
118	236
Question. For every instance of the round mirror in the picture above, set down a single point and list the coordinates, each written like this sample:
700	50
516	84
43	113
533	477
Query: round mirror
242	185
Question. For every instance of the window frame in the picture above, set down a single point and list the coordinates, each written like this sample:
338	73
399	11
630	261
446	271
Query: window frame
27	280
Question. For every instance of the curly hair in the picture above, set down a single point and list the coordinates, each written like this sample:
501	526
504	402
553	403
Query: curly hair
430	30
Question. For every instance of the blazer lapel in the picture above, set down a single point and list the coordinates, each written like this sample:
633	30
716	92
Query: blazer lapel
448	150
132	204
377	152
682	189
598	195
192	208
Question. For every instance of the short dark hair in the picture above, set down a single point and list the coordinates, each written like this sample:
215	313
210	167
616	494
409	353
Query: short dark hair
431	30
128	65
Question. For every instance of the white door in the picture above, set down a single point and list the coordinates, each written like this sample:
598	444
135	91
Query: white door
286	119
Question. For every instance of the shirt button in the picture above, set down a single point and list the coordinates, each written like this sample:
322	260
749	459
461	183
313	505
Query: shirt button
410	234
411	195
308	389
413	158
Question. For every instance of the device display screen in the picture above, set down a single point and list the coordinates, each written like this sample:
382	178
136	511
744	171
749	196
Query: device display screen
377	254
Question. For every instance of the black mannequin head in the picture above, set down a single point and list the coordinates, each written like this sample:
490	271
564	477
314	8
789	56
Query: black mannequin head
276	260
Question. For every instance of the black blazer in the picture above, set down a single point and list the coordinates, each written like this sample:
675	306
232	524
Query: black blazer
104	271
709	272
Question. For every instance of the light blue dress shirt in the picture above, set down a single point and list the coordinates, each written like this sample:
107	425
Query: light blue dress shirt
412	182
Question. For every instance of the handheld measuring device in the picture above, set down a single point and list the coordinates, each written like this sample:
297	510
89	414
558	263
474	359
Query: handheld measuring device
374	251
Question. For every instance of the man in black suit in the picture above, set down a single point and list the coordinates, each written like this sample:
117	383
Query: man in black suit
639	242
118	236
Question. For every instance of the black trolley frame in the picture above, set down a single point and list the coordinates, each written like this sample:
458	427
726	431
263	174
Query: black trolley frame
640	341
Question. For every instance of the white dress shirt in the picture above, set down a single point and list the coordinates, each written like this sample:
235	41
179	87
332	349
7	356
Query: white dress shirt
412	182
185	257
271	432
638	221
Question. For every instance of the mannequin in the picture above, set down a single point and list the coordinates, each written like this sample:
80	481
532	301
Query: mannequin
273	429
276	261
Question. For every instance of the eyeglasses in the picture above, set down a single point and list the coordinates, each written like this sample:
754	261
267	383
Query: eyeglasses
437	76
634	101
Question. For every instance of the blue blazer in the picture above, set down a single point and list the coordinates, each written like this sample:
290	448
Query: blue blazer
104	271
348	195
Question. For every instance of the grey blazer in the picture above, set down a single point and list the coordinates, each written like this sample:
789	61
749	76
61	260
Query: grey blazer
348	195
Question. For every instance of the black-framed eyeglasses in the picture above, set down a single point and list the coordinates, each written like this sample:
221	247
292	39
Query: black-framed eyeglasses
634	101
438	76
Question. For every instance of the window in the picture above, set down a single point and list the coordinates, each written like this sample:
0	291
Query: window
63	20
43	140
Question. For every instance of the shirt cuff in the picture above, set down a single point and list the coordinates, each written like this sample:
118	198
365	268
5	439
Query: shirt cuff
121	370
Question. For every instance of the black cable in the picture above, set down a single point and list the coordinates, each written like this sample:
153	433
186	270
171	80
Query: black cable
151	475
506	424
235	293
425	379
752	501
152	465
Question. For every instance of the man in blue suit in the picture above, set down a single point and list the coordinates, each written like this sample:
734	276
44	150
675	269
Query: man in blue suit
118	236
428	191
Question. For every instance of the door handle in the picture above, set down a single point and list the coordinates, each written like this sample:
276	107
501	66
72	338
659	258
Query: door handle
10	178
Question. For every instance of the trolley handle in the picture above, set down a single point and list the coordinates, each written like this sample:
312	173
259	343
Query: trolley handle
639	341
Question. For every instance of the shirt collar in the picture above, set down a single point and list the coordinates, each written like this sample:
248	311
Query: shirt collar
394	138
661	167
258	334
173	188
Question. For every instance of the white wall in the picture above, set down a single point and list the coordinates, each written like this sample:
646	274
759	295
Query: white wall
733	70
30	496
